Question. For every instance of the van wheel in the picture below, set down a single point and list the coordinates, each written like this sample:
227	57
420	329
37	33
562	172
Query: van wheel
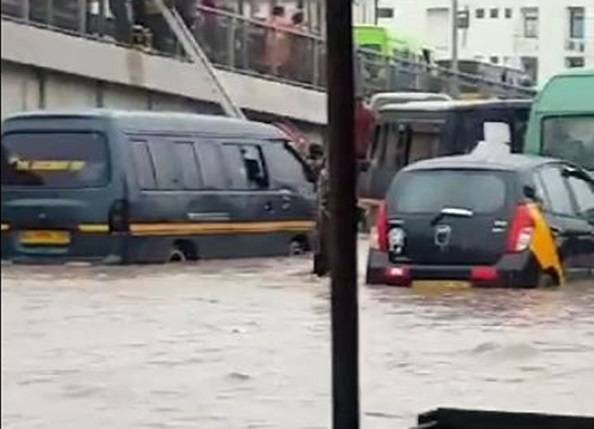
176	256
182	251
297	246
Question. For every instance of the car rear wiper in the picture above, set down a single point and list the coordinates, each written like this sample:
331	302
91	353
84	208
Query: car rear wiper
453	212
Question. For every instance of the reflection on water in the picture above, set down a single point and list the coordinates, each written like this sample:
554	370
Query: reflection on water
246	344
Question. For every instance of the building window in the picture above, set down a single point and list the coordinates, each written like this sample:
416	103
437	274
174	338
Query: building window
575	62
494	60
508	12
530	66
576	22
494	13
530	15
480	13
385	12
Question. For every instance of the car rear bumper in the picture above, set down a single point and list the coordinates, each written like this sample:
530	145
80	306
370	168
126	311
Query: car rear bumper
514	270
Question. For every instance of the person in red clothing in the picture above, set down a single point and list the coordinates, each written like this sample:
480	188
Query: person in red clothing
364	126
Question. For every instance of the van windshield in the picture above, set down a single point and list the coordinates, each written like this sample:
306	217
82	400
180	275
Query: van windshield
482	192
570	138
54	159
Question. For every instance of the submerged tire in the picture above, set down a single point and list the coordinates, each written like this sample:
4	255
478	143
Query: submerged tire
177	256
546	280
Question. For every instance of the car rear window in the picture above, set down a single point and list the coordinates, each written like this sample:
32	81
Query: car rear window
54	159
483	192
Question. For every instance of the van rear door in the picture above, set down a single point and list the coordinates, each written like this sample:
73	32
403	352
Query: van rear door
451	217
56	175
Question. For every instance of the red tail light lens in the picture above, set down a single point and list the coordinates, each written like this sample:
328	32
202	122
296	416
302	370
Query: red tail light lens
484	274
397	276
521	231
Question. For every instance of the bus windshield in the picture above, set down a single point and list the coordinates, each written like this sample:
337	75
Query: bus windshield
54	159
570	138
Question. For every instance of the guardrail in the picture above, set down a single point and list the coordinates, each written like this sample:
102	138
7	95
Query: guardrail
282	52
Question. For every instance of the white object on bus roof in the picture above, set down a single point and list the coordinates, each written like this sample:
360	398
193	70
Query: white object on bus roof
497	141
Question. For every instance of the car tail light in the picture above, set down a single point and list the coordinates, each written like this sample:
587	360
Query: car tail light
379	239
118	216
397	276
521	231
484	274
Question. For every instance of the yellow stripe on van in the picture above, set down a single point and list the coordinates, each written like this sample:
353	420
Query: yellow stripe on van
155	229
5	227
543	245
93	228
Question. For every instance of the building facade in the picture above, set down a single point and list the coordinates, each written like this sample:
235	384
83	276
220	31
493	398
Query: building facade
544	37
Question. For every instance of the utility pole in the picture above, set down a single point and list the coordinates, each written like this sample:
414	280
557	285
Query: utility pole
455	68
343	216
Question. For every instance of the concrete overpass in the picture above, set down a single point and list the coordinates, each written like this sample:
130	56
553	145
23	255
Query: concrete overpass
43	68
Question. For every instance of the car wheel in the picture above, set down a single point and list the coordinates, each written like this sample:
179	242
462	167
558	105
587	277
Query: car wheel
546	280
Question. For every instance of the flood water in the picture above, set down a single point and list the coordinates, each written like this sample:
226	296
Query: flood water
246	344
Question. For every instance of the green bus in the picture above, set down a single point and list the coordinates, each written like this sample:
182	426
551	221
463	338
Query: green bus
388	43
562	119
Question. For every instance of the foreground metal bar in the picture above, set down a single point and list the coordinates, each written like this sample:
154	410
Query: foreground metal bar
450	418
343	241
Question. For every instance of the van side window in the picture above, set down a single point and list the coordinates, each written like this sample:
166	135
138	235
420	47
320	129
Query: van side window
191	177
213	172
286	170
167	166
145	170
247	167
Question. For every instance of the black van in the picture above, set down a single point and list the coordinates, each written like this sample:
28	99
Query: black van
510	220
413	131
123	187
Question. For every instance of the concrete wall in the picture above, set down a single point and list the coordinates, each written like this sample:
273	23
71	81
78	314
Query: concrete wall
47	69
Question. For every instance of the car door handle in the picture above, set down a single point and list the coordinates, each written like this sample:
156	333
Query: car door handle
268	206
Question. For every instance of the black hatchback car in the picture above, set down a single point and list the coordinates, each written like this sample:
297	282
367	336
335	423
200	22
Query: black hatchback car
512	221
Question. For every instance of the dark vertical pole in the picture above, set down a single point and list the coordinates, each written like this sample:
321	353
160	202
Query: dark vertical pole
343	243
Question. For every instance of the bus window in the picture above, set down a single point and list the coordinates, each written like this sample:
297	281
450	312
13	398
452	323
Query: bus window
424	141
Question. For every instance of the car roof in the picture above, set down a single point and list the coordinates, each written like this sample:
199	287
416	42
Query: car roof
508	162
442	106
161	121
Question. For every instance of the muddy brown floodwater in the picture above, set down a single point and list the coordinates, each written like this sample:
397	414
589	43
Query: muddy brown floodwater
246	344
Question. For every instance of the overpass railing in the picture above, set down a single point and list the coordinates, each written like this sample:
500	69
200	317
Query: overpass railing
285	53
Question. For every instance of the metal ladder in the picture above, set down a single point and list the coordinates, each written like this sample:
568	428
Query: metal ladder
199	58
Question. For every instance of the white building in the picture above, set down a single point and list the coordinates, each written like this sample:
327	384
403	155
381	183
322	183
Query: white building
543	36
